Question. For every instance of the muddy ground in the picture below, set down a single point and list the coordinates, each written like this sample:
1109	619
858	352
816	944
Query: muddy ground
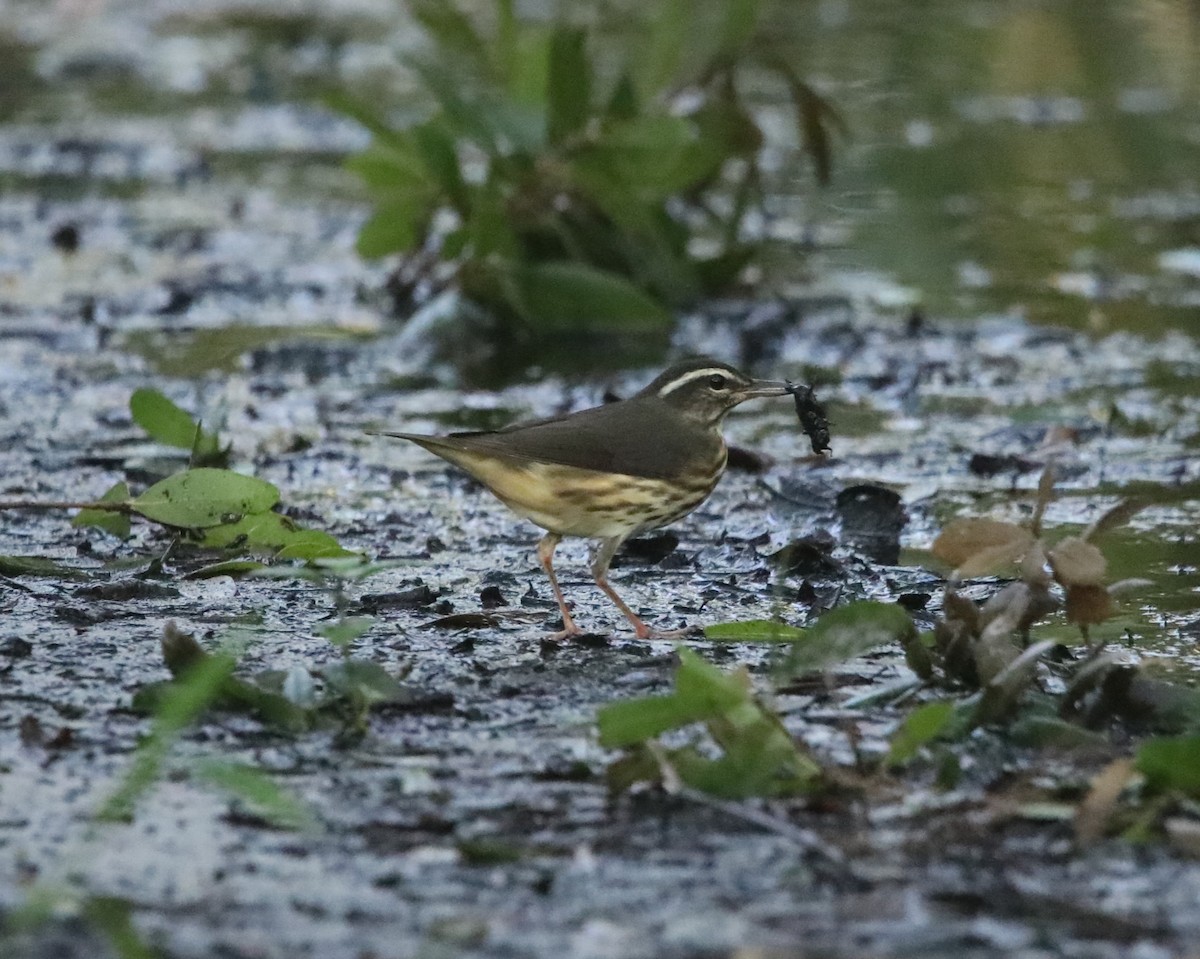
474	819
497	751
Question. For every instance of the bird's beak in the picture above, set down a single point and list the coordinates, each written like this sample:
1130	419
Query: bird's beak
765	388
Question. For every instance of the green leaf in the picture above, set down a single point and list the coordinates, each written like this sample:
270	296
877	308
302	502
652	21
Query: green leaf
662	46
162	419
114	918
346	630
311	545
486	851
167	423
181	704
1050	732
390	169
367	116
753	631
562	296
490	229
110	522
398	174
688	43
1171	763
273	532
650	157
505	45
623	103
363	681
528	74
636	720
397	226
453	32
439	156
497	124
759	755
762	761
921	726
260	792
701	692
36	566
701	686
205	497
569	88
741	20
845	633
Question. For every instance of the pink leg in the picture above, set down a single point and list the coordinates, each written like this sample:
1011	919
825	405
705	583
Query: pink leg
604	555
546	546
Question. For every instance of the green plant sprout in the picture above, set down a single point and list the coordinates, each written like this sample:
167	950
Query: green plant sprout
203	680
210	507
757	755
566	178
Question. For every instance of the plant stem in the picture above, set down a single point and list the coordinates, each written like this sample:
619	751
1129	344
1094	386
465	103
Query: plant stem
111	506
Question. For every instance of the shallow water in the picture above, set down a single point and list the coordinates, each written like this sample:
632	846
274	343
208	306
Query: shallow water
214	260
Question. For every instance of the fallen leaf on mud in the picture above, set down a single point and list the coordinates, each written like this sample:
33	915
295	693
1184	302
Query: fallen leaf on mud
1093	815
753	631
1077	563
464	621
977	545
1088	605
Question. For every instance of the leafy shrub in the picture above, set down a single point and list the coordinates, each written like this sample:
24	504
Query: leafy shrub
565	178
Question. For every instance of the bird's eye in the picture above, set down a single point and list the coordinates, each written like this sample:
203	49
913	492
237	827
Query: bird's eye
718	382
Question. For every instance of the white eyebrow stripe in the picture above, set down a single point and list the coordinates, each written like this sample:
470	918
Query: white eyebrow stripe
692	375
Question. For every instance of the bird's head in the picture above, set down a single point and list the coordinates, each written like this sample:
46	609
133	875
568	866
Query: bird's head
704	390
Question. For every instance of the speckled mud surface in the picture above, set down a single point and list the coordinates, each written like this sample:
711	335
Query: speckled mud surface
239	295
500	746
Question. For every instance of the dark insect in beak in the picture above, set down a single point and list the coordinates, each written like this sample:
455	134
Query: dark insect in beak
812	416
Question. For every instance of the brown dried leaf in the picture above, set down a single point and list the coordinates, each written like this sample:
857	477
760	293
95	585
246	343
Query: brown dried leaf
1033	566
995	649
954	641
958	608
1118	515
1077	563
1094	813
1088	678
1088	605
180	651
1005	689
1031	602
976	545
1010	603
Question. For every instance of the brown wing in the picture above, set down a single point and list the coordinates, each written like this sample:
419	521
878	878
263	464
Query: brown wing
651	441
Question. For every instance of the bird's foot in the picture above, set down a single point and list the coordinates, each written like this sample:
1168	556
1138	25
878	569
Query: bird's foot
570	632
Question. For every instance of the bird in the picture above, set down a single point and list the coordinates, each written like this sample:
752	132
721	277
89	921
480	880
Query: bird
613	471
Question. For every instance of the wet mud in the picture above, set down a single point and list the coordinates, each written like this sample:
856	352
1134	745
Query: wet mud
474	819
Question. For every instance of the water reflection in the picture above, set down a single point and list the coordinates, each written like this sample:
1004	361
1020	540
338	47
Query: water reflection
1017	157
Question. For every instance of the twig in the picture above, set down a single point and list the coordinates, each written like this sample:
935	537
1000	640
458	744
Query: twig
111	506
